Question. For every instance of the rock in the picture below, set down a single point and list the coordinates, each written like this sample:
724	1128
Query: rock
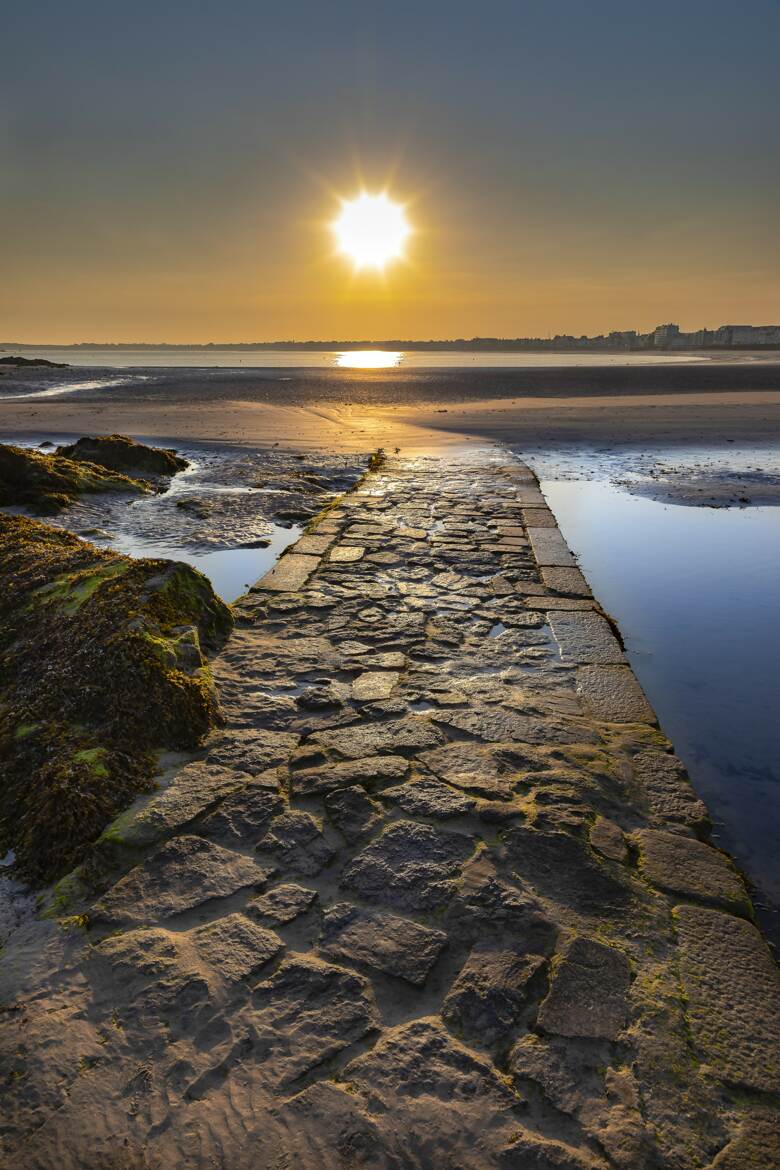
313	545
756	1146
370	771
243	817
732	987
235	947
683	866
489	993
296	840
589	992
282	904
118	453
346	554
472	767
192	791
253	751
487	907
367	739
306	1013
585	639
353	813
409	866
47	483
380	941
374	684
324	1126
549	547
565	580
613	694
664	785
607	838
183	874
496	724
289	574
425	797
560	866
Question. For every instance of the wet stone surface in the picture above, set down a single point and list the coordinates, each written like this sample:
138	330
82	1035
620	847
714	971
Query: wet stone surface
438	894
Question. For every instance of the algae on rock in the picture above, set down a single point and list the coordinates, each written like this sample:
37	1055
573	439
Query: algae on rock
102	664
47	483
119	453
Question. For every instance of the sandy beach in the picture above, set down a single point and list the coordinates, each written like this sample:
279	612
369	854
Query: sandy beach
417	411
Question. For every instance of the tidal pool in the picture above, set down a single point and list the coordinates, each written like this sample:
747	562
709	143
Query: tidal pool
695	593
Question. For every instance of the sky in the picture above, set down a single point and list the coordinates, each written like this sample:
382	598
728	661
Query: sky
169	170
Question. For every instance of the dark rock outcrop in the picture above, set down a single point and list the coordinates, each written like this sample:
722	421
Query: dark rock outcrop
47	483
118	453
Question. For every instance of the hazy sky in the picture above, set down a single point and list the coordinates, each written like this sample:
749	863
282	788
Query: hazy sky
168	169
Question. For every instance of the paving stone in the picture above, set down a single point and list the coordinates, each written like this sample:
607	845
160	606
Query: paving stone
374	684
689	868
353	813
664	784
281	904
425	797
549	547
589	992
242	818
366	739
381	941
613	694
486	998
499	725
732	987
193	790
472	767
559	865
235	946
296	839
313	545
585	639
346	554
289	574
371	771
547	601
608	839
539	518
183	874
306	1013
565	580
252	751
409	866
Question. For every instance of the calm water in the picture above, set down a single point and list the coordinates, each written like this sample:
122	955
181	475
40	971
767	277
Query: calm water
332	359
231	570
695	592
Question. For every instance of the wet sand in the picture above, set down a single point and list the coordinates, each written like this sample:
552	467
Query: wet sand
419	411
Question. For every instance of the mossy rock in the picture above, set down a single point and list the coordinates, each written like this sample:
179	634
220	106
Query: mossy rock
118	453
102	661
47	483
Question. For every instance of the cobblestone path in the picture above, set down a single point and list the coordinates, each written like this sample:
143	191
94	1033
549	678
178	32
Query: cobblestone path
439	896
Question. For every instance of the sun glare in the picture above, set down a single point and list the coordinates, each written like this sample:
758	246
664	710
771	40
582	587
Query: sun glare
371	230
369	359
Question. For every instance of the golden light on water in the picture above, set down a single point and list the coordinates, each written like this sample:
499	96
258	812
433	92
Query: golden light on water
369	359
371	230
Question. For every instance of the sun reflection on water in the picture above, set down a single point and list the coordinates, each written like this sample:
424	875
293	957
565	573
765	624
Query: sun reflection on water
369	359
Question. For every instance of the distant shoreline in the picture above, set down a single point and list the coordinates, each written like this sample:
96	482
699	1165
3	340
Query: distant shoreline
474	345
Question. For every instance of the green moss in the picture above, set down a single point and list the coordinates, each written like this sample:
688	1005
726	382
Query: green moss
47	483
102	666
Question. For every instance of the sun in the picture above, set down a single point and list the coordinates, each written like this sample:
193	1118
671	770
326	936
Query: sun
371	230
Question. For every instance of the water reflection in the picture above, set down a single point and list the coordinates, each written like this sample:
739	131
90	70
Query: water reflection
369	359
694	591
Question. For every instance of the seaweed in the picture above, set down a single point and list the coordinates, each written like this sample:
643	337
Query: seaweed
48	483
118	453
102	665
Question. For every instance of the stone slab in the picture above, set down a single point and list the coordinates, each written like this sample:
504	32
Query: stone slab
589	992
613	694
539	518
586	639
549	547
313	545
690	869
384	942
235	946
289	574
732	987
282	904
373	685
369	771
563	579
345	554
489	993
664	785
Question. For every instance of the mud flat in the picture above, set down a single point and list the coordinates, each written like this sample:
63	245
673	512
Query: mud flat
438	895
